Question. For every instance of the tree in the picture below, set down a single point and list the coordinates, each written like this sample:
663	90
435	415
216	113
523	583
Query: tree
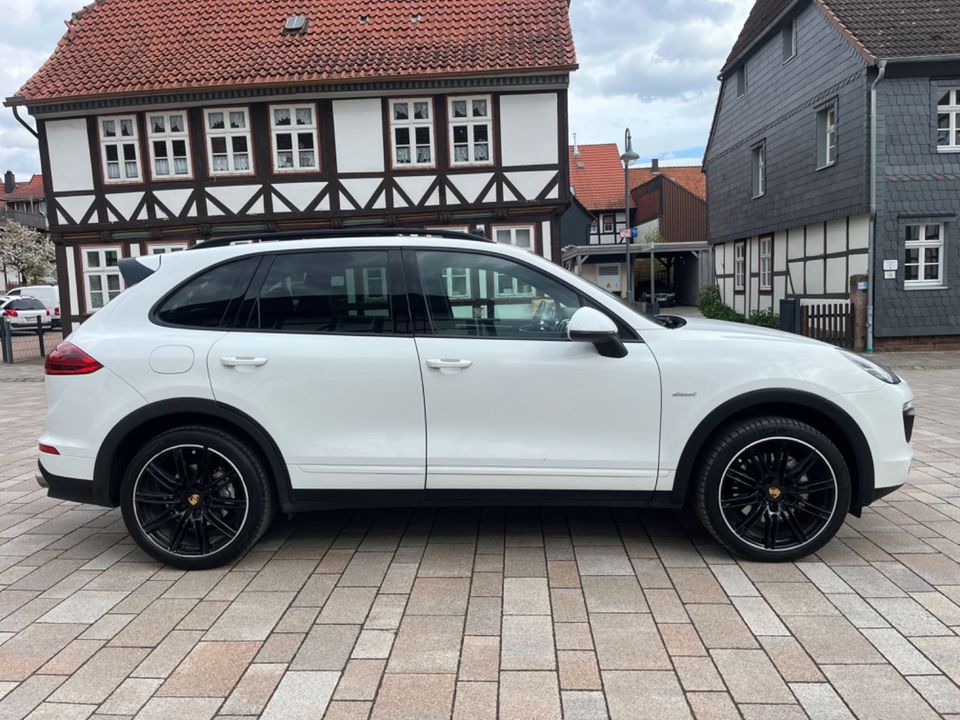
27	252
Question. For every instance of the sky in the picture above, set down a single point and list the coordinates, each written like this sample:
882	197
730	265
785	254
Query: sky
650	65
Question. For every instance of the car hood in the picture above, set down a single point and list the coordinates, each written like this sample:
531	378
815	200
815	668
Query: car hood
742	330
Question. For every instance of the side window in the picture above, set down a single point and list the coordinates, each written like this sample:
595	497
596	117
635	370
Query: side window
326	292
472	294
204	301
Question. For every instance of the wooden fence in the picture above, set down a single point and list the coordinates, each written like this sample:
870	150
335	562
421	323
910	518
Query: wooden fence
830	322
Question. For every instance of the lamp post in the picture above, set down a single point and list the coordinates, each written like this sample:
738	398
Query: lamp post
628	158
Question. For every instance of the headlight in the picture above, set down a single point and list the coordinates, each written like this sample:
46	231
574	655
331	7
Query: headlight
878	370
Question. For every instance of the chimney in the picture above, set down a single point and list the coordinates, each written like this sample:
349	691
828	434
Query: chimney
576	147
655	166
9	182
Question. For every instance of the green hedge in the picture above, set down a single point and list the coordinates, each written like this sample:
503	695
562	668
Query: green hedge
712	306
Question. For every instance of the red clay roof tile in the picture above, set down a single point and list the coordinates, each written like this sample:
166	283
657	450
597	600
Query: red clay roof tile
32	189
116	47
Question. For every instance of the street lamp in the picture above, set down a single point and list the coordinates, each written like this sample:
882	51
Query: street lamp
628	158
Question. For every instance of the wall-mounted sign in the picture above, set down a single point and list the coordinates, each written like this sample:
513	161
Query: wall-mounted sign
890	265
889	274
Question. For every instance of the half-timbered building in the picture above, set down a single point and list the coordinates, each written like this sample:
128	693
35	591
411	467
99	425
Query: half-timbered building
161	124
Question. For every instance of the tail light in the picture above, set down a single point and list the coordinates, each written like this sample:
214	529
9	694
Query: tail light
56	311
48	312
49	449
10	313
68	359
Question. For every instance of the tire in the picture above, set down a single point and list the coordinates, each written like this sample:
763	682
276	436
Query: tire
211	519
772	489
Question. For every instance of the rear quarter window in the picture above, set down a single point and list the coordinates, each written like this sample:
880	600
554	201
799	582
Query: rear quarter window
26	304
207	299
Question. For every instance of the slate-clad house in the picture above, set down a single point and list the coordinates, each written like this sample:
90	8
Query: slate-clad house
805	179
164	123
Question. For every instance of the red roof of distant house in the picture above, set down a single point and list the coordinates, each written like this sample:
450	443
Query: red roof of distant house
32	189
597	176
115	47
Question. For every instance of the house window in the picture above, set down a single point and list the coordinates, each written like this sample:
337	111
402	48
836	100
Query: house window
594	227
923	266
609	224
119	148
411	132
827	137
169	144
742	80
294	131
759	169
165	248
101	276
739	265
766	263
457	280
521	237
470	130
948	121
790	40
228	141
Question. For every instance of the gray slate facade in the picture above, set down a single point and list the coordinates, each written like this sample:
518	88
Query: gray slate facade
916	183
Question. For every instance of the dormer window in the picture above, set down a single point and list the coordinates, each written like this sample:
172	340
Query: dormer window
948	121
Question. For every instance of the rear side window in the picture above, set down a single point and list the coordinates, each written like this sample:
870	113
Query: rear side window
205	300
26	304
326	292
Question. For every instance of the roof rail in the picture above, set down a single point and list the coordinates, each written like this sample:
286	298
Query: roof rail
359	232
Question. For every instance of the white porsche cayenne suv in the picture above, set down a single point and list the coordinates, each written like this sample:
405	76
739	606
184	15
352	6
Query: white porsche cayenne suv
375	368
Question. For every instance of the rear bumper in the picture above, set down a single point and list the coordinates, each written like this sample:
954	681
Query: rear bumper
64	488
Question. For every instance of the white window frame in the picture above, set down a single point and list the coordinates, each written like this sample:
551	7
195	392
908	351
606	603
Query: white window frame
472	124
613	223
165	248
119	143
168	137
450	274
790	31
412	124
739	266
923	244
952	110
758	169
766	263
511	230
373	276
229	134
741	80
294	130
101	271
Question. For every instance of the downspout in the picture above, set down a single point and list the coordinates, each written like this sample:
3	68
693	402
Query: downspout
871	248
23	122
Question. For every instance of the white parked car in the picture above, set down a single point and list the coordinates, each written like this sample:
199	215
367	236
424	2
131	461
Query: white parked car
241	378
23	313
49	295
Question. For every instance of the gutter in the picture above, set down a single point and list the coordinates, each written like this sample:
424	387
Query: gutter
871	247
16	114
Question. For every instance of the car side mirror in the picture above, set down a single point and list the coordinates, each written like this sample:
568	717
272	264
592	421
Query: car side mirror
592	326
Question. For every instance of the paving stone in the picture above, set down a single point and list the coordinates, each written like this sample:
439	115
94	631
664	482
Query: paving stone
832	640
758	615
315	591
603	560
568	605
61	711
288	703
796	599
943	651
644	694
164	658
578	670
130	696
612	595
100	675
681	640
399	578
487	584
527	643
529	696
153	624
33	646
526	596
366	569
360	680
524	562
427	644
909	617
573	636
899	652
483	616
564	574
251	616
713	706
651	573
220	664
773	712
348	710
697	673
791	659
858	611
439	596
697	585
720	626
821	701
583	705
69	660
347	606
751	677
890	697
252	693
19	702
203	615
84	606
414	697
475	701
386	612
373	644
628	642
480	658
441	560
326	647
943	695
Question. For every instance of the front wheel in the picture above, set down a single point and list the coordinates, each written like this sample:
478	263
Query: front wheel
772	489
196	498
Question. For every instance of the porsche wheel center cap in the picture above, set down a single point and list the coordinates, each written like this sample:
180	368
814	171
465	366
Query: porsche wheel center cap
193	499
774	493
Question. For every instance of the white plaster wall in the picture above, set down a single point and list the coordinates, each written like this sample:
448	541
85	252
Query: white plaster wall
528	129
358	126
859	232
69	152
815	240
837	280
815	277
837	235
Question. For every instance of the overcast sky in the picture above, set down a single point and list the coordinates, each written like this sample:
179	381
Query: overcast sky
650	65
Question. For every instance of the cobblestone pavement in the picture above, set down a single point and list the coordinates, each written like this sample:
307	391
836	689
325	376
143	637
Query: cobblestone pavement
475	613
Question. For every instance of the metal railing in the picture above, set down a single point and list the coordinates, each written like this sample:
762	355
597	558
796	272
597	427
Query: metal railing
26	343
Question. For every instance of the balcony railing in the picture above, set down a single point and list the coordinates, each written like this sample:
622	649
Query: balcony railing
34	220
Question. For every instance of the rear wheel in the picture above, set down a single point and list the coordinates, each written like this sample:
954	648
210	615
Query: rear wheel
196	498
773	489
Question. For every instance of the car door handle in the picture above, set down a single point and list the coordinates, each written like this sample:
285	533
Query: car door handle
443	364
243	361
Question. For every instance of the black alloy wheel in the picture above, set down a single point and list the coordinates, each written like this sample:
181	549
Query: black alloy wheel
772	488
